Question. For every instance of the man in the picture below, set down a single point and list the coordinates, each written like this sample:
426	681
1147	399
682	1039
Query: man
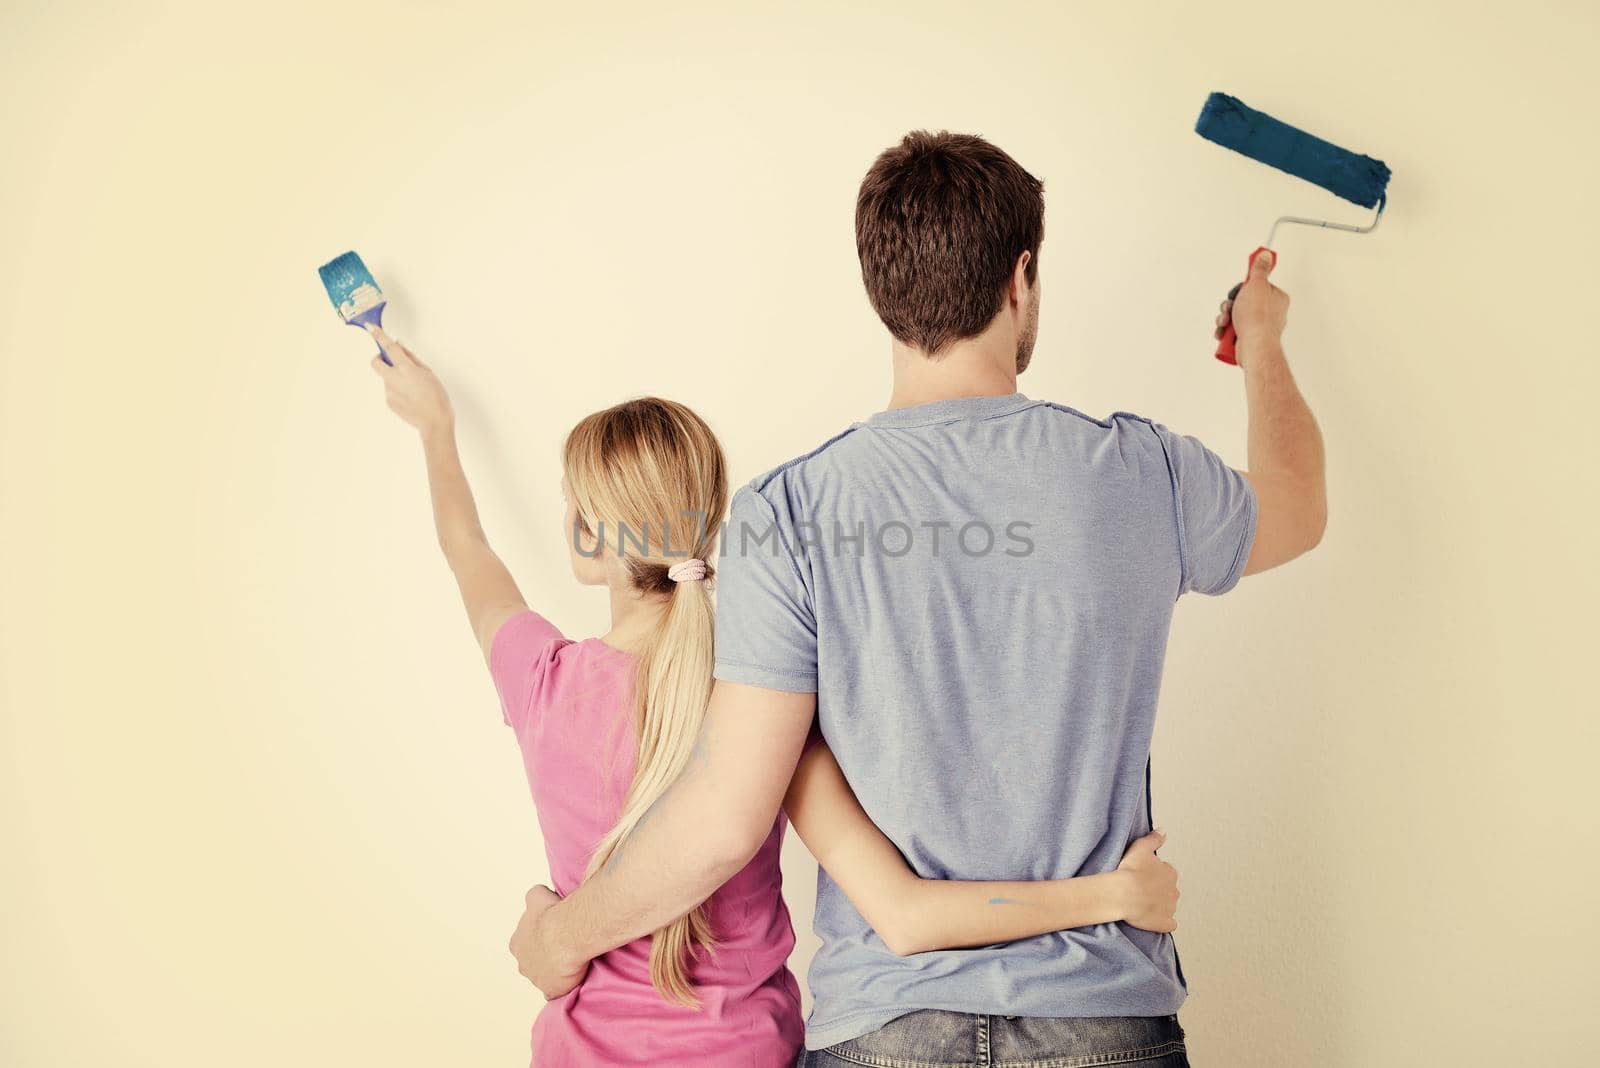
971	591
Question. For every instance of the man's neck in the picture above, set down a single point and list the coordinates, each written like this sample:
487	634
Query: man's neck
977	367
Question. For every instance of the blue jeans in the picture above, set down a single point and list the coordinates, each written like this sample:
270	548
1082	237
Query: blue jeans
932	1037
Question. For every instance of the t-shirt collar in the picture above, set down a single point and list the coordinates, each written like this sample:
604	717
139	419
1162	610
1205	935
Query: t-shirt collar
951	410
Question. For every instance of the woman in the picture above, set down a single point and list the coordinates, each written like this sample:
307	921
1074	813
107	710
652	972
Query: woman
606	725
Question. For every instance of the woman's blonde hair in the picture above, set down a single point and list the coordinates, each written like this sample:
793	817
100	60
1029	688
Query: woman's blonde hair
647	478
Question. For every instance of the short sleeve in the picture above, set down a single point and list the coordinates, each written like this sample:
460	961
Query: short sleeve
1216	508
519	656
766	631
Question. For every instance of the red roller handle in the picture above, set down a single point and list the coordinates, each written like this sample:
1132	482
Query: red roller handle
1229	337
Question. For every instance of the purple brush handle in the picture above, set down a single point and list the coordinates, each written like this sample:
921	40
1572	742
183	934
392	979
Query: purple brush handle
373	316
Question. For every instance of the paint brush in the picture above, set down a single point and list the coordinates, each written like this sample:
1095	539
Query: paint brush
355	294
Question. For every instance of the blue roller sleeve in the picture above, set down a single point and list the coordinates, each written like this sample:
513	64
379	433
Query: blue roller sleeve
1231	124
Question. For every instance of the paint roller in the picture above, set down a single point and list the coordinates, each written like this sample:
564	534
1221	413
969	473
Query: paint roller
1357	178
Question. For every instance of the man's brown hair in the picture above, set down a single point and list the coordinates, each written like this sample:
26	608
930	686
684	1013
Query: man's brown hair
940	221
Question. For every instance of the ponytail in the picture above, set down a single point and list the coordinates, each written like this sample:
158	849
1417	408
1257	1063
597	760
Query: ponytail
672	688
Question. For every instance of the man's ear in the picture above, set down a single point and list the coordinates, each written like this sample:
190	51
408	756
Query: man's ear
1019	278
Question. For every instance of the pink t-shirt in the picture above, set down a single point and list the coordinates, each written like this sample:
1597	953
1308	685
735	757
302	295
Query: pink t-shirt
571	705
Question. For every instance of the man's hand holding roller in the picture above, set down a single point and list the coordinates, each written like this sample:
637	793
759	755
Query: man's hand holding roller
1258	309
1285	445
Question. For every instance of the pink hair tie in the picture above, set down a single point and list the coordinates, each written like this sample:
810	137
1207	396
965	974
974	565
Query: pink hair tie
687	571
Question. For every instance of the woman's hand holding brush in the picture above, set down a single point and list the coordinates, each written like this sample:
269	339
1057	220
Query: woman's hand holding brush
413	391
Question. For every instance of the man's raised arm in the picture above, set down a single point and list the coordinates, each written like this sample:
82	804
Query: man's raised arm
1286	466
705	828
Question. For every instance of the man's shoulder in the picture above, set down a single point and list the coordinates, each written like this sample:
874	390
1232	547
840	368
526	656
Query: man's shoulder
1128	430
782	484
1117	420
775	480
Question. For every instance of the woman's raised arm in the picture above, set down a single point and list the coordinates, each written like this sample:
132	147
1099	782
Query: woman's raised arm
417	396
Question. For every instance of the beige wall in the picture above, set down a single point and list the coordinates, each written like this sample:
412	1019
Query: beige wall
256	805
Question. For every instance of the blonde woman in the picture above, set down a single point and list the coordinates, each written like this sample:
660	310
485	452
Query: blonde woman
606	724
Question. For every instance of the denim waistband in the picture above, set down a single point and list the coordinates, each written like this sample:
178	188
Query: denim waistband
932	1038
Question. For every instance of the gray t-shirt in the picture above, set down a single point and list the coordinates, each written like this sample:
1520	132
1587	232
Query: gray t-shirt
979	592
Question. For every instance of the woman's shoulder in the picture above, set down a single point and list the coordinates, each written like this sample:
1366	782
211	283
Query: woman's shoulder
534	665
529	636
596	652
523	634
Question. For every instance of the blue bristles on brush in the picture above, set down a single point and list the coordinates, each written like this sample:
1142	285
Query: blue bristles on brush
355	294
